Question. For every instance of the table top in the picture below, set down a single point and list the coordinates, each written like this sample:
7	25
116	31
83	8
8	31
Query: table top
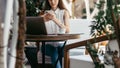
52	37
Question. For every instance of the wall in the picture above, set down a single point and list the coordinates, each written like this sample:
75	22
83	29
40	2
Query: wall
80	26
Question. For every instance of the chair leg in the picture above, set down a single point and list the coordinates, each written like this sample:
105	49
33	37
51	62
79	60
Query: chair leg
38	46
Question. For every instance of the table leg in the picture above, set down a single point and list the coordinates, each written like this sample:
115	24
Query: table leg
43	55
60	54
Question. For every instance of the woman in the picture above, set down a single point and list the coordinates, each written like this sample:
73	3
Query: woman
56	17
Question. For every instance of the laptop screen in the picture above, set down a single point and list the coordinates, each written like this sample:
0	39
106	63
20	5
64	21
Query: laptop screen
35	26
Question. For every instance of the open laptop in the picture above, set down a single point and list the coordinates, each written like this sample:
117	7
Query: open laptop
35	26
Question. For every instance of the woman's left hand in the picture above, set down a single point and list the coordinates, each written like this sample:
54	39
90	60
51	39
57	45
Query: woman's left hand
51	15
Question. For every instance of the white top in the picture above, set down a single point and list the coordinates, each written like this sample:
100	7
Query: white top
53	28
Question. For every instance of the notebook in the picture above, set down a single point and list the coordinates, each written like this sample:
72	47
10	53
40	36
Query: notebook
35	26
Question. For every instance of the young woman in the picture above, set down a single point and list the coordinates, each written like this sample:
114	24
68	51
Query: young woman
56	17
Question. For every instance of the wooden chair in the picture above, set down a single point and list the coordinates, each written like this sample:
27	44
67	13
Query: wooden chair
85	43
82	43
116	24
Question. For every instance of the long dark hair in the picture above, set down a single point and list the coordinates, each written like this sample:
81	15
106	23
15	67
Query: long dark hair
60	5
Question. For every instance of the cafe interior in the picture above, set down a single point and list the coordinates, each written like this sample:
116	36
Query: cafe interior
93	40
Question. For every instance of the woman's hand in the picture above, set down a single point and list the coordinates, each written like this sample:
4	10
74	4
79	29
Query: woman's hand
49	16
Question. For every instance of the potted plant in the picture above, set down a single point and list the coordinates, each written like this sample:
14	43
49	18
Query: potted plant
105	23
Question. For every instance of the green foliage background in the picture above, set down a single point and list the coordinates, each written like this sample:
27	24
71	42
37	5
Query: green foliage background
104	17
34	7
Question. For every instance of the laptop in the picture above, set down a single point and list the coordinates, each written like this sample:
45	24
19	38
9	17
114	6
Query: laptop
35	26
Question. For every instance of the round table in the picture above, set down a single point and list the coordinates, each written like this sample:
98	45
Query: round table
50	38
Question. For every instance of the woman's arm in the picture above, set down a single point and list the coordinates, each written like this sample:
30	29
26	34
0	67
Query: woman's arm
65	26
66	22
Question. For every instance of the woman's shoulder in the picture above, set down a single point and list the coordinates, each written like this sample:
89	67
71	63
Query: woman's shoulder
64	11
